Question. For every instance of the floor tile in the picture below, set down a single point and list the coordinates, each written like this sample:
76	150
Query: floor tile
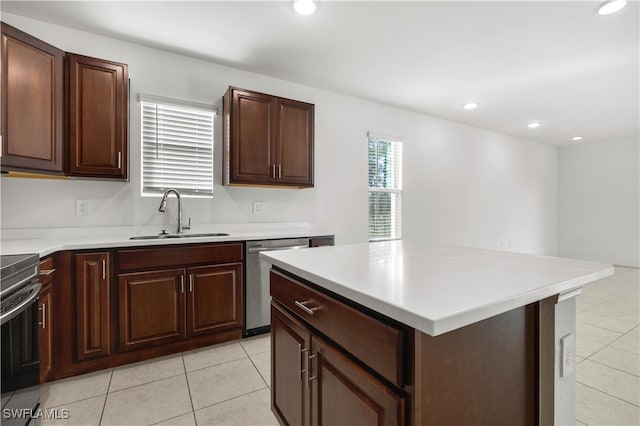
212	355
596	334
184	420
143	372
635	332
5	397
82	413
251	409
627	343
579	359
75	388
224	381
614	324
579	423
586	347
596	408
621	360
257	344
609	380
262	361
614	309
149	403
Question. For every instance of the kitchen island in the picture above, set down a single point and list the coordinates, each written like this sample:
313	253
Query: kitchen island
403	333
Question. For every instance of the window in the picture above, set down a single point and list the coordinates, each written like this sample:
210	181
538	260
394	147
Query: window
177	146
385	189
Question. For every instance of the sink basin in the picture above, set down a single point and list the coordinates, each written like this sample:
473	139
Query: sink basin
163	236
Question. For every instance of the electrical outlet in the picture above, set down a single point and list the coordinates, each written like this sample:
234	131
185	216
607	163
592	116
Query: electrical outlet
82	207
259	208
568	349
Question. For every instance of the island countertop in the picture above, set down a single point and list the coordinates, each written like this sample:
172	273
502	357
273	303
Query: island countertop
437	289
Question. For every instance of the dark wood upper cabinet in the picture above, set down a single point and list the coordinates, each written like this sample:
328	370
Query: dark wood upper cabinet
98	112
32	103
268	140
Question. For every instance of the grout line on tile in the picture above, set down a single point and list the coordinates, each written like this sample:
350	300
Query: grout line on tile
606	393
104	404
254	366
235	397
214	365
174	417
186	378
614	368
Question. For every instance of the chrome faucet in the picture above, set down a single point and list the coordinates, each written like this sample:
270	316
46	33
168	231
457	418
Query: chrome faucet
163	206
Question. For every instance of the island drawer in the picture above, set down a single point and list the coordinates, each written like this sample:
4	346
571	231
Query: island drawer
378	344
178	256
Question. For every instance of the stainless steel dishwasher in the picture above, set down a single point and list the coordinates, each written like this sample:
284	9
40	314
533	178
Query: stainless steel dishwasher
256	295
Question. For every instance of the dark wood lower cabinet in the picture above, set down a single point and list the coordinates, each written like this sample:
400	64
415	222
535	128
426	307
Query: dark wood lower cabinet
151	308
486	373
93	303
314	382
45	323
289	387
164	306
214	298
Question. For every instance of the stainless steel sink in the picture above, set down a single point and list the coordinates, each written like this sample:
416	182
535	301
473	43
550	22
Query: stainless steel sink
163	236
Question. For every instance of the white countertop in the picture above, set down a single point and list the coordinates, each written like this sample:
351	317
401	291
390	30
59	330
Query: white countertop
437	289
46	241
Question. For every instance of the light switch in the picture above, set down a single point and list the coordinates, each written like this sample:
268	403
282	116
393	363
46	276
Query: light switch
568	350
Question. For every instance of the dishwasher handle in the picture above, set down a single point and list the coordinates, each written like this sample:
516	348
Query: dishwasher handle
261	249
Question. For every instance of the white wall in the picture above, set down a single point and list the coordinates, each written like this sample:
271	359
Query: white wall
599	201
462	185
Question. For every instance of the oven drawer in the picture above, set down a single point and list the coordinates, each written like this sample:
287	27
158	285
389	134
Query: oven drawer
378	344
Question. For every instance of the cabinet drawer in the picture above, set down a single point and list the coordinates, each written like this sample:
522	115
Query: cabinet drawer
377	344
178	256
47	271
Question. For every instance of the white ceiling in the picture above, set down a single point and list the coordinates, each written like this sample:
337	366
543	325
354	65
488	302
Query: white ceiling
557	62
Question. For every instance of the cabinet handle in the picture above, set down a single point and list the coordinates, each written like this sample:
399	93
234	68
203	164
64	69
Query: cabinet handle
309	376
273	171
104	269
181	283
119	159
43	309
302	305
302	352
279	170
46	272
191	283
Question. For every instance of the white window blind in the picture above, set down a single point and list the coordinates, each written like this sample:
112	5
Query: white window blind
385	189
177	147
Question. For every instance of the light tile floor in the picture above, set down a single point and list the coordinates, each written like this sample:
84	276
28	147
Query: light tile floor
229	384
608	350
226	384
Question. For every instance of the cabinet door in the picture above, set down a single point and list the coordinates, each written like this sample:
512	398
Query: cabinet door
151	308
214	298
92	305
294	156
290	343
98	109
253	133
343	393
32	103
46	332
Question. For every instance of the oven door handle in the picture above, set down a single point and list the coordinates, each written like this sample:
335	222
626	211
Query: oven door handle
35	290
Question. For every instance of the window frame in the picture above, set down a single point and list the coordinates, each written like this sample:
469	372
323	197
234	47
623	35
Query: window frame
394	187
179	107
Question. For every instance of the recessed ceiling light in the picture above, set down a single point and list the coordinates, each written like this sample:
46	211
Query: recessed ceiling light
533	125
470	105
610	6
304	7
577	138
